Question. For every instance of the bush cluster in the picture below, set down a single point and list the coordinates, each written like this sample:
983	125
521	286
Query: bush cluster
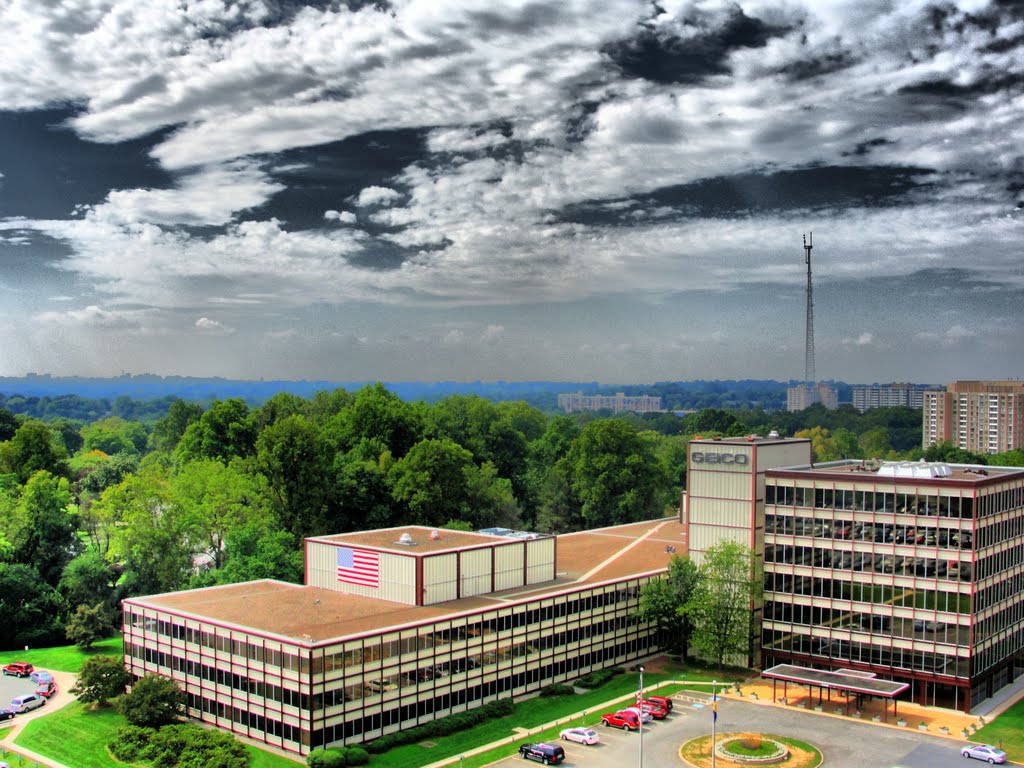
182	745
337	757
558	689
442	727
598	678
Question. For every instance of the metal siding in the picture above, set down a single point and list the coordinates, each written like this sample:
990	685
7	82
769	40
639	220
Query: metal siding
322	566
508	566
475	571
397	580
440	578
540	560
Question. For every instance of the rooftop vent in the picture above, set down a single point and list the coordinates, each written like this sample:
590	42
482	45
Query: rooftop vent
773	434
435	535
407	540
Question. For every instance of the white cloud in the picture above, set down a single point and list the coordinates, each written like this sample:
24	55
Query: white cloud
377	196
206	325
342	217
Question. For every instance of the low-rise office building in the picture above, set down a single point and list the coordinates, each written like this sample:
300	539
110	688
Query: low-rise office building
396	628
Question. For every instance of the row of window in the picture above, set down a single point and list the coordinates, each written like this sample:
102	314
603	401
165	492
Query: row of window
845	652
781	584
822	527
870	562
931	505
370	726
928	630
1010	588
264	725
996	533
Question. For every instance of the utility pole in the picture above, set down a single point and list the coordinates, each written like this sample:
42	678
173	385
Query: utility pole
809	375
640	706
714	717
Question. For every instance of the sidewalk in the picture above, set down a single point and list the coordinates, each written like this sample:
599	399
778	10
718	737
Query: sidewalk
63	696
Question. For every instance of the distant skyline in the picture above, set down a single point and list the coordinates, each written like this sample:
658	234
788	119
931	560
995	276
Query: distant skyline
447	190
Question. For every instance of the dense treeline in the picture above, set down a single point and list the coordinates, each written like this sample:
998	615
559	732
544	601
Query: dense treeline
94	510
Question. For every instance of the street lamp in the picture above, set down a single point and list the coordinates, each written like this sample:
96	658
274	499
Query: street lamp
640	717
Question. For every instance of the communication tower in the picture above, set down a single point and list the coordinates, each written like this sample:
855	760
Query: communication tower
809	375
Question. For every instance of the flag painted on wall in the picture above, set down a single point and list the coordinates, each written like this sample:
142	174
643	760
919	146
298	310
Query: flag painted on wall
359	566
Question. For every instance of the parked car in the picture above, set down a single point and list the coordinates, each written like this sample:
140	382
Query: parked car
984	752
654	709
580	735
6	714
627	721
26	703
549	754
645	716
41	676
665	701
19	669
46	690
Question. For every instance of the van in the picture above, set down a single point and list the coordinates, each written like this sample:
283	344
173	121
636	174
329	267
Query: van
26	703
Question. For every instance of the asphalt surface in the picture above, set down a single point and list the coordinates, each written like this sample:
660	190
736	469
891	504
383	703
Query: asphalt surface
11	687
844	743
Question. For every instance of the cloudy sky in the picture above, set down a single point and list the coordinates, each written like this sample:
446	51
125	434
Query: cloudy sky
558	189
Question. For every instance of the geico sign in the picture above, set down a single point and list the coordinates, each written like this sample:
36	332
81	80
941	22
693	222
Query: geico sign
699	457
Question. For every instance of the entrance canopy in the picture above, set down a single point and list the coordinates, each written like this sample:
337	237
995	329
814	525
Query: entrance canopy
850	680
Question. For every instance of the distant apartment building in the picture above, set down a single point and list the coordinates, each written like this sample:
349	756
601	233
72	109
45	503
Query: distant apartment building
805	395
888	396
577	401
978	416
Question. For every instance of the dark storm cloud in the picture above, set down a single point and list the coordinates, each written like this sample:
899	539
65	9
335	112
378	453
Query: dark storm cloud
48	170
325	177
816	66
805	189
665	58
944	88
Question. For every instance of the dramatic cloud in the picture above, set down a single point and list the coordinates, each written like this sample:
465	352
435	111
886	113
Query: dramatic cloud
458	189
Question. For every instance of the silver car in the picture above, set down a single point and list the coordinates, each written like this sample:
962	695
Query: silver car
26	703
984	752
41	676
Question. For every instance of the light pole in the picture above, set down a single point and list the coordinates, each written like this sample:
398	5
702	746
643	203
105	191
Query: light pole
714	718
640	706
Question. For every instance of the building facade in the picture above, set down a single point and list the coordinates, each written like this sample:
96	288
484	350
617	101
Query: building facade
617	403
910	571
977	416
305	666
803	396
888	396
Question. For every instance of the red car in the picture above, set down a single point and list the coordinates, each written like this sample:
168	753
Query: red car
19	669
664	701
47	689
656	710
627	721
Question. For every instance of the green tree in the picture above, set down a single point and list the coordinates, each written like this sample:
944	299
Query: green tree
218	499
254	552
668	602
88	579
30	609
34	448
379	414
615	474
89	624
153	701
295	459
168	431
729	589
114	435
223	432
430	481
8	425
46	534
101	678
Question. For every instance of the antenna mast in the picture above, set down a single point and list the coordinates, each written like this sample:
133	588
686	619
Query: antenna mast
809	375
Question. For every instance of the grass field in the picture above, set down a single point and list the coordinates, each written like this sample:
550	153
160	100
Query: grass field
65	658
1007	732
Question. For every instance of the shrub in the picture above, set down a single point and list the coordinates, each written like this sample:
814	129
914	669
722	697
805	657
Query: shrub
130	743
154	700
357	756
598	677
443	727
335	757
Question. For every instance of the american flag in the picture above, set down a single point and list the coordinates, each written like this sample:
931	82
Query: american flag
358	566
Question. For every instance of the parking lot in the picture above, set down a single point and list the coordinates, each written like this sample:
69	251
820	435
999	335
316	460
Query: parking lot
843	742
14	686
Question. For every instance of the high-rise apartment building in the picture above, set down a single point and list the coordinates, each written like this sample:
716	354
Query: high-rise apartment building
888	396
978	416
805	395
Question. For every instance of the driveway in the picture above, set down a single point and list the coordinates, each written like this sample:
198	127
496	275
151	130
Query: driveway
843	742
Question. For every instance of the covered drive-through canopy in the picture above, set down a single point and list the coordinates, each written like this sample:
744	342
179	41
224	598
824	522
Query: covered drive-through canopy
844	680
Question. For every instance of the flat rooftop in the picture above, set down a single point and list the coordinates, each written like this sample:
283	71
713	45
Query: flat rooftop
896	471
311	615
424	540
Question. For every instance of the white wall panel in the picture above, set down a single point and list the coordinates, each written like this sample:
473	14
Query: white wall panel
508	566
476	571
440	578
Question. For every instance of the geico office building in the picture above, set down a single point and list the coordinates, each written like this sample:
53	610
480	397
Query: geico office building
910	570
398	627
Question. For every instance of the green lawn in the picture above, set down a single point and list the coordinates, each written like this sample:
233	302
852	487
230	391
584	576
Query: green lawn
1006	732
530	714
64	658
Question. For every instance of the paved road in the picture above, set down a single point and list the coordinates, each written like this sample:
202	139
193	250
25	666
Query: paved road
845	743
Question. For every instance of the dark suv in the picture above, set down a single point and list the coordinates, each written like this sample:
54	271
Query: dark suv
549	754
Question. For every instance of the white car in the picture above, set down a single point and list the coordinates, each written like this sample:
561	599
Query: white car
581	735
984	752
